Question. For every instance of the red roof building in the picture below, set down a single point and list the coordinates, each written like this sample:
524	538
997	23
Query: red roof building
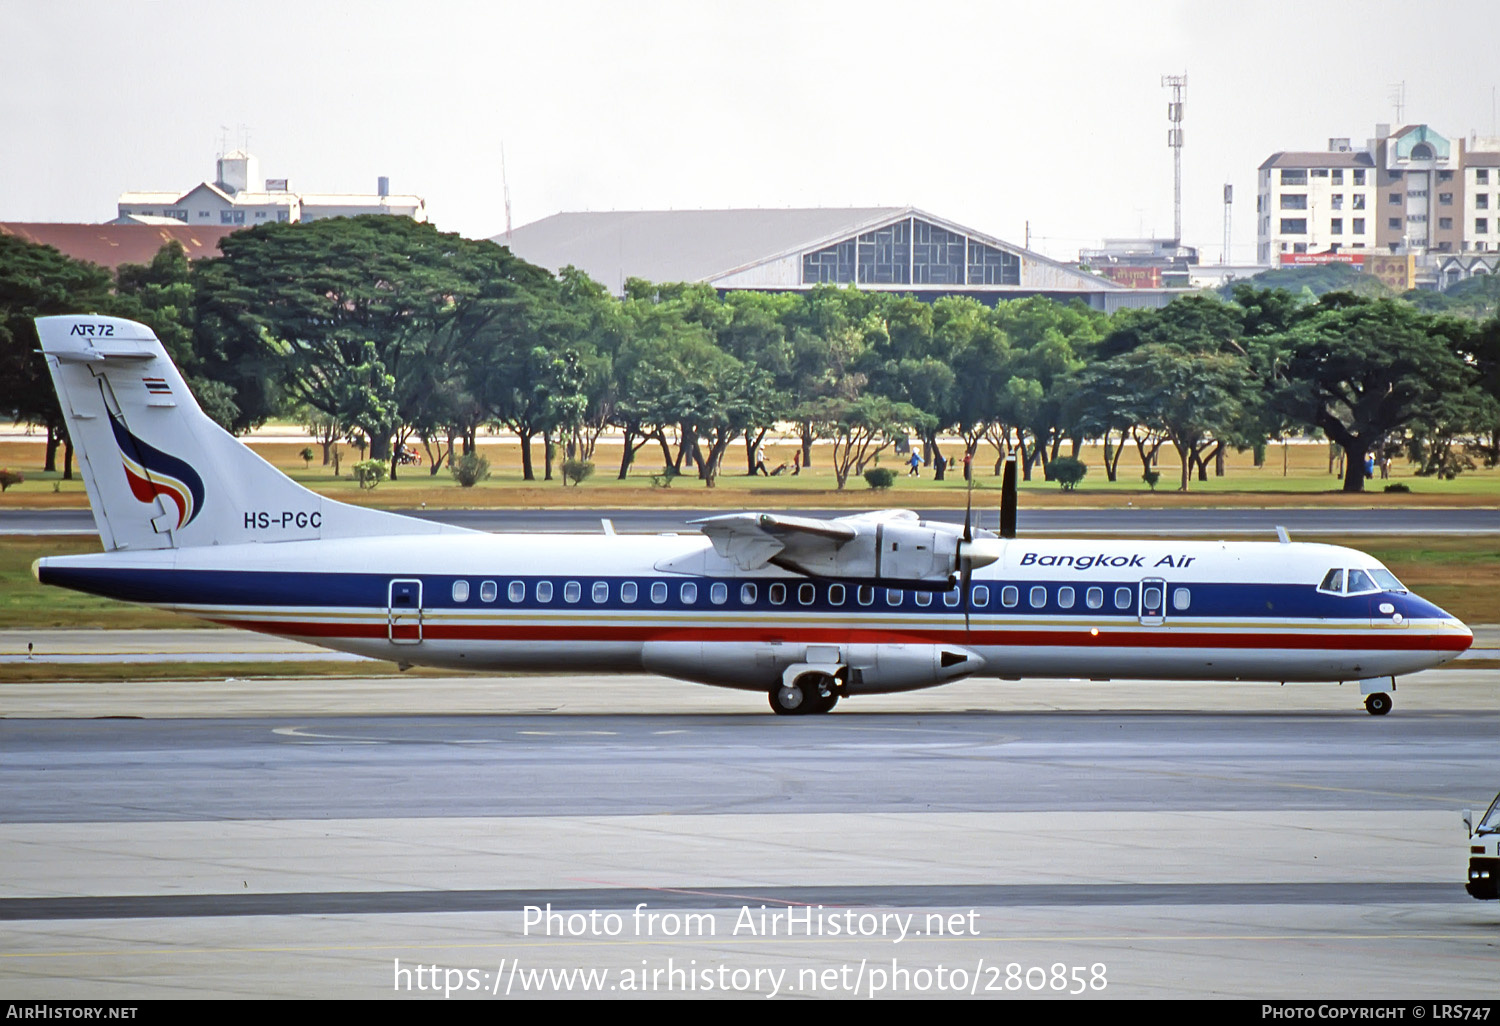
110	245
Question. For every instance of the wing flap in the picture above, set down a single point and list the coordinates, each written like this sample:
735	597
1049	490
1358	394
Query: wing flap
751	540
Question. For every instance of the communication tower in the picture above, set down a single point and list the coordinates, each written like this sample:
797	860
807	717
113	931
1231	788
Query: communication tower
1178	85
1228	204
505	186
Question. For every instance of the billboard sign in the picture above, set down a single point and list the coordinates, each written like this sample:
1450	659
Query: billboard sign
1134	277
1318	259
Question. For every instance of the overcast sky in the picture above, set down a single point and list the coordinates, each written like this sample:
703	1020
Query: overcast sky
990	114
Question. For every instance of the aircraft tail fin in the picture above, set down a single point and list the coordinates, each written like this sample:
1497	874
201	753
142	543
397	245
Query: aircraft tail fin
159	472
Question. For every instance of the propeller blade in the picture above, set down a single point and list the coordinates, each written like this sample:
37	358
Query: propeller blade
969	510
965	575
1008	499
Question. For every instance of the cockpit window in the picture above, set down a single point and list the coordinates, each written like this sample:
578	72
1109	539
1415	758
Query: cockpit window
1360	582
1490	824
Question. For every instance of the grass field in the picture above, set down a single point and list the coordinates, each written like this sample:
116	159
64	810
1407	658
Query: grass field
1295	474
1460	573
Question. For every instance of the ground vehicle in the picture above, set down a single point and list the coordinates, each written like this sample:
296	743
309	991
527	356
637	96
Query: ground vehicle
1484	852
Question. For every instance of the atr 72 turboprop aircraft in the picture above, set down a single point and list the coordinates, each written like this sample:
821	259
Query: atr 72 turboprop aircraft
806	610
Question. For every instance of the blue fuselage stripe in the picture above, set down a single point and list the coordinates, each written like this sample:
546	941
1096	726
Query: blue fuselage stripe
311	590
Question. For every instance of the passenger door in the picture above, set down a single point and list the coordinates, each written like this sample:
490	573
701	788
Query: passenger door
1153	599
403	615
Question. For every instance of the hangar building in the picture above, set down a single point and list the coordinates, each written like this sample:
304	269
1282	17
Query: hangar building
899	249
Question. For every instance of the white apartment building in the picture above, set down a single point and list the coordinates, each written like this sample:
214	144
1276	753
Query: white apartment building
239	196
1482	195
1315	202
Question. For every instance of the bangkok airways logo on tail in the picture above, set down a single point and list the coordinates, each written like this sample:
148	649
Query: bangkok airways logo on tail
152	472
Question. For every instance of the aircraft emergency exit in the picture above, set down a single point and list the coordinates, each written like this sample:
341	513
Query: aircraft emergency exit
807	611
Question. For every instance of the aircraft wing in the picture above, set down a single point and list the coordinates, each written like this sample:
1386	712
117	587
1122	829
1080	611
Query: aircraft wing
751	540
886	545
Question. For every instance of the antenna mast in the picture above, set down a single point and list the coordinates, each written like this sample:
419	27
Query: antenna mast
1178	85
505	186
1228	204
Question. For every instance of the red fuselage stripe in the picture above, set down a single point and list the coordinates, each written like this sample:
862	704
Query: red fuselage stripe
1395	639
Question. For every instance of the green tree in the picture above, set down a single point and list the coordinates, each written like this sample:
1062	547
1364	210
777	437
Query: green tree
1069	471
982	363
1364	370
1051	342
651	360
830	334
39	281
537	390
594	326
164	296
715	405
357	310
756	335
1192	399
1197	327
862	428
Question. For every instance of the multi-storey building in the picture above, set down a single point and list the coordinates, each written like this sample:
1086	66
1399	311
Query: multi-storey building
240	197
1315	202
1481	196
1142	263
1420	192
1411	193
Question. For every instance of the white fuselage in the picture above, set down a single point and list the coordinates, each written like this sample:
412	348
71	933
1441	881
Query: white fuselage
670	604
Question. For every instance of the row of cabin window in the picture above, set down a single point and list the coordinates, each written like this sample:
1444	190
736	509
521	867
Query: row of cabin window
807	594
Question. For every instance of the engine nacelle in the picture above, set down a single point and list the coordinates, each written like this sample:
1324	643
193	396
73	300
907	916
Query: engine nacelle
917	553
879	669
888	552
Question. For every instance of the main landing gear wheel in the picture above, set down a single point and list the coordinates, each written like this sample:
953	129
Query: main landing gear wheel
1378	704
789	700
805	696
